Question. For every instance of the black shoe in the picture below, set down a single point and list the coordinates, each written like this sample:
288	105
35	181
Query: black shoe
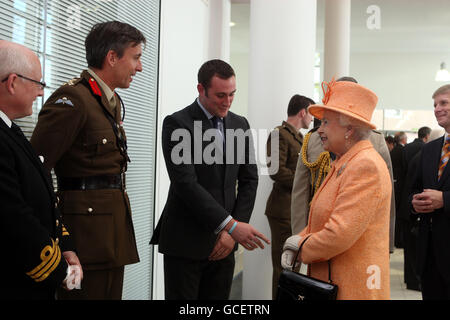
413	286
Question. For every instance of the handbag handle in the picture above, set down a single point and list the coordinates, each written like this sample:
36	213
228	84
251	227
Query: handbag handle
298	253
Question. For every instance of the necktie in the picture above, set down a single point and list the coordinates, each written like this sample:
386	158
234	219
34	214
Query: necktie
445	155
215	120
218	124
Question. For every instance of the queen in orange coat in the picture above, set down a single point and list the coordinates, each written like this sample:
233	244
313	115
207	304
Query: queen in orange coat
349	215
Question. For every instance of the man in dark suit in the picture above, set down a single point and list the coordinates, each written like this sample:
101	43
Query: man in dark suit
398	170
431	200
212	192
404	217
36	250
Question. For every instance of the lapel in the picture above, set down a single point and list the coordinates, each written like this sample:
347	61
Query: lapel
197	114
98	92
226	125
25	145
118	115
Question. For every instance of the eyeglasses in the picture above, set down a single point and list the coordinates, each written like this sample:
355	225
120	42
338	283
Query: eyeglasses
42	84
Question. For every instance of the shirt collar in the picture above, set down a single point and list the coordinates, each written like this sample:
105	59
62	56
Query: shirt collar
107	90
5	119
207	114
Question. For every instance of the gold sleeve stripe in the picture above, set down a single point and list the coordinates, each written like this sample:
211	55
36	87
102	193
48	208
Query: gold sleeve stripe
44	273
64	231
50	256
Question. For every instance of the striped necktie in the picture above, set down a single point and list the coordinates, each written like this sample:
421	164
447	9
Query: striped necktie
445	155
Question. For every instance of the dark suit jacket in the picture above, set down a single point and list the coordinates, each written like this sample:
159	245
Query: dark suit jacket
437	222
202	195
31	230
398	171
409	153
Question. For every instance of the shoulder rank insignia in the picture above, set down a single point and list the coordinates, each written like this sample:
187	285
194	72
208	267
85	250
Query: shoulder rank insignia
64	100
73	81
94	86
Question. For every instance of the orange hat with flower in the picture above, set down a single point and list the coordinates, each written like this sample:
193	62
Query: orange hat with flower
349	98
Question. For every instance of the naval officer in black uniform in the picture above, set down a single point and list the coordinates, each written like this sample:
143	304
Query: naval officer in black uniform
36	247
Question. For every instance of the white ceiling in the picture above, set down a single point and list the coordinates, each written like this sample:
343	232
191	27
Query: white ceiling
406	26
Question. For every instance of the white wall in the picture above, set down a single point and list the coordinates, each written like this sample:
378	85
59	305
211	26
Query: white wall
281	64
401	81
184	48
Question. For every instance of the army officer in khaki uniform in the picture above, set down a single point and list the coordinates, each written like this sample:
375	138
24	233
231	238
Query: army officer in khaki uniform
278	209
80	134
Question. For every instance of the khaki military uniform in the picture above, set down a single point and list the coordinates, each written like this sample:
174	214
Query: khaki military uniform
77	139
278	208
303	187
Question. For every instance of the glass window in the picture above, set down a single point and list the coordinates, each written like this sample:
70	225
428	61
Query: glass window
56	30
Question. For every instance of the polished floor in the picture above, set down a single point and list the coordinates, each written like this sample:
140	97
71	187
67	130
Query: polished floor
398	287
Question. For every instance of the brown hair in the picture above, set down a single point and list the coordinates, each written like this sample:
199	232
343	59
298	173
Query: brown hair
441	90
213	68
111	35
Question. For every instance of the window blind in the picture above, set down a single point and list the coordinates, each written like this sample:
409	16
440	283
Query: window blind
56	30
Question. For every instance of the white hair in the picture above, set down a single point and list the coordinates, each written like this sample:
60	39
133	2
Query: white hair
361	130
13	59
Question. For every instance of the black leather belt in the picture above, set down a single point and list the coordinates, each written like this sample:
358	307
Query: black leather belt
91	183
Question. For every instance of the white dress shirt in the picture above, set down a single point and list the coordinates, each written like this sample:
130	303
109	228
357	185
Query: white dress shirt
5	119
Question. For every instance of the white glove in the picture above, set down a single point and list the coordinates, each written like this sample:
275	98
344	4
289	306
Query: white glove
290	248
73	278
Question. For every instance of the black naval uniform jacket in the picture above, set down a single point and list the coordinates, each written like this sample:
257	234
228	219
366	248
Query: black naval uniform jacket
32	234
76	138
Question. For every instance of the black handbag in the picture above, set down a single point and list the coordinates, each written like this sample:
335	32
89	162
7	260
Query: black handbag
296	286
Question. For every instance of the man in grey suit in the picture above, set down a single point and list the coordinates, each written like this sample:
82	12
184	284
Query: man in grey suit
213	179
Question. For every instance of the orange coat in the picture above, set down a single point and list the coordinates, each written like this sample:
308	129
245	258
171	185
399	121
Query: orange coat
349	224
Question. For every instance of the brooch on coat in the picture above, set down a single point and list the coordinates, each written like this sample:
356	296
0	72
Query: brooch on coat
341	170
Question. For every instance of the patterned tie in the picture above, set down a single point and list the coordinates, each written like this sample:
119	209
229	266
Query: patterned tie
445	155
218	124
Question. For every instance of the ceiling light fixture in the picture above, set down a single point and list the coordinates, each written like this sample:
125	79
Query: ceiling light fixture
442	74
